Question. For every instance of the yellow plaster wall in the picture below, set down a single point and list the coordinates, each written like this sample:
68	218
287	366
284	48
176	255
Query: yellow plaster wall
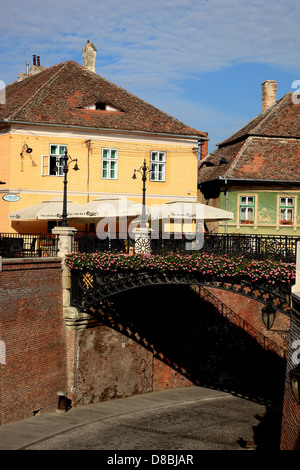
23	173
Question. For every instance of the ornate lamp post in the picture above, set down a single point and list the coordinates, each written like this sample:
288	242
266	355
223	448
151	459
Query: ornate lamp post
66	160
295	382
144	170
268	315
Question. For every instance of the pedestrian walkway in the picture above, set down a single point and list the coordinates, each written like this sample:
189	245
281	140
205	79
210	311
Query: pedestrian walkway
20	434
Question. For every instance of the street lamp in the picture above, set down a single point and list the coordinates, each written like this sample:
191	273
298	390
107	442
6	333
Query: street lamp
66	160
295	382
144	170
268	315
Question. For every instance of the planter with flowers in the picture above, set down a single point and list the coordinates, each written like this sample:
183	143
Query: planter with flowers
204	265
246	221
286	222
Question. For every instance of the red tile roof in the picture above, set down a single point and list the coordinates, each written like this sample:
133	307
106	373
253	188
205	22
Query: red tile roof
60	94
267	159
266	149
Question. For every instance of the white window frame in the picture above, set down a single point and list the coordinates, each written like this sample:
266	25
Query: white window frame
248	207
53	160
108	160
285	208
158	163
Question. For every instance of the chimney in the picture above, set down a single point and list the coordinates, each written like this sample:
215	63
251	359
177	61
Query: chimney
38	61
89	53
34	60
268	97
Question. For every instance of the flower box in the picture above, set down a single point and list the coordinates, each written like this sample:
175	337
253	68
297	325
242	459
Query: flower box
286	222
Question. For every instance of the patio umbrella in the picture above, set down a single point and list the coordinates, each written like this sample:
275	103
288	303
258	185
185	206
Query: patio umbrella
47	210
190	210
111	208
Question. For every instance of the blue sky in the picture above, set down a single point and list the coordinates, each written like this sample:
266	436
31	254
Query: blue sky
202	61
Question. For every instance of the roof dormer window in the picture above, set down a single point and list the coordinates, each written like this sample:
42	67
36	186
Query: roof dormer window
101	107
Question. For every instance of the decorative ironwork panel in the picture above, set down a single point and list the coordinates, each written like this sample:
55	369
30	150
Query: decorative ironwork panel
90	288
253	246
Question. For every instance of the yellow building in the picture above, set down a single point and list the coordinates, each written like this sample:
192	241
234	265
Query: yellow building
107	129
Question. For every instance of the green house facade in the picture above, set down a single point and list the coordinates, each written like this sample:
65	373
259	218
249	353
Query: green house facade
261	210
256	172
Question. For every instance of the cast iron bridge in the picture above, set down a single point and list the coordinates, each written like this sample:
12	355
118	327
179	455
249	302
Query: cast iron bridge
89	288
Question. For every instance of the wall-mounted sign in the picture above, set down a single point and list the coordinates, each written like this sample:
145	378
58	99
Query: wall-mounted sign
11	197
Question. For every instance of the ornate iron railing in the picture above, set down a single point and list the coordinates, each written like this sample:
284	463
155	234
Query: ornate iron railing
252	246
90	242
90	287
20	245
27	245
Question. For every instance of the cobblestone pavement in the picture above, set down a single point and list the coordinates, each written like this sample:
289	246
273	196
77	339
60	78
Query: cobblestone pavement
215	423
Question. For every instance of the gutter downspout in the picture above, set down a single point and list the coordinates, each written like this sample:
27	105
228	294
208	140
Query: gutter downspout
226	206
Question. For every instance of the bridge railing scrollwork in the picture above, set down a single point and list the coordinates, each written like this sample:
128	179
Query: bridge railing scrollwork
91	287
253	246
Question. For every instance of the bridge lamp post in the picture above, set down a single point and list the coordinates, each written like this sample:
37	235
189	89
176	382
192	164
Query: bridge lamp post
295	382
268	315
144	170
66	160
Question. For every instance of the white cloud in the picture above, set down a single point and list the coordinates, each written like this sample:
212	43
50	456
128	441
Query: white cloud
147	47
179	36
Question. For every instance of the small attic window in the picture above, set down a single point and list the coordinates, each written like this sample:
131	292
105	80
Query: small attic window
208	163
101	107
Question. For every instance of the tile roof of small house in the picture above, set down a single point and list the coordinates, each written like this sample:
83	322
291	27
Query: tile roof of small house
266	149
61	95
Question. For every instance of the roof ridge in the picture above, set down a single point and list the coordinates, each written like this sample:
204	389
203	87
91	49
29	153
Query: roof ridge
236	158
269	114
241	135
60	68
69	83
147	103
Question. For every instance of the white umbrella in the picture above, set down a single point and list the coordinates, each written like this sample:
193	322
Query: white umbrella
47	210
111	208
191	211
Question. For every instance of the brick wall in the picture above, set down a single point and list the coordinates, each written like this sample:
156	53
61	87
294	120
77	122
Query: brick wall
145	340
33	332
162	337
251	311
290	434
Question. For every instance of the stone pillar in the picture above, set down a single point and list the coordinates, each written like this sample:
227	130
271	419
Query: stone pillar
73	319
65	246
65	240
